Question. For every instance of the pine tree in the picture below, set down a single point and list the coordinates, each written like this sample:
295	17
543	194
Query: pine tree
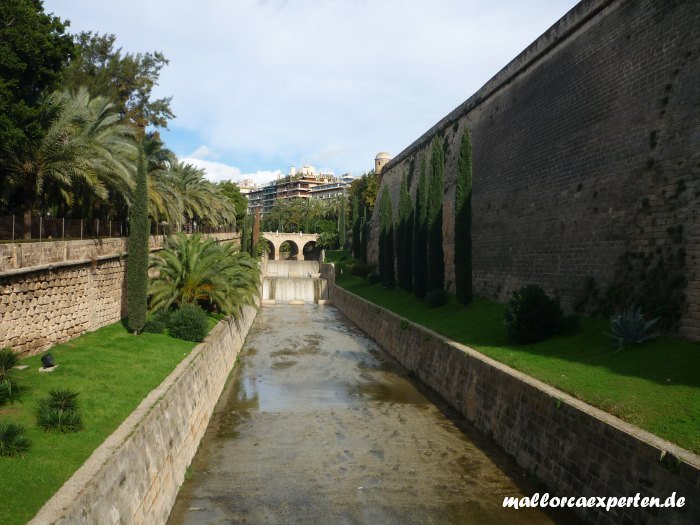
419	246
436	195
404	235
386	241
137	263
463	223
356	228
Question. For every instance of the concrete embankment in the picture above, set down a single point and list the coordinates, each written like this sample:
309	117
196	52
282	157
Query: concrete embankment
135	475
574	448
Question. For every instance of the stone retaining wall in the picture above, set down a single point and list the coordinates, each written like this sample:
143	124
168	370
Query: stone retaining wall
575	449
135	475
69	288
29	254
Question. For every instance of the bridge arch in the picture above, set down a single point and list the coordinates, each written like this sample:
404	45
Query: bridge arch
299	242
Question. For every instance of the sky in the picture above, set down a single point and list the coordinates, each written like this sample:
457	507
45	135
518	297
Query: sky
259	86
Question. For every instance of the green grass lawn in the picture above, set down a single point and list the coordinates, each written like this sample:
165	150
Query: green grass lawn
655	386
113	371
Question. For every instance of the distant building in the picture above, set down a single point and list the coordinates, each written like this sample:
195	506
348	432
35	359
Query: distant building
297	184
339	186
246	186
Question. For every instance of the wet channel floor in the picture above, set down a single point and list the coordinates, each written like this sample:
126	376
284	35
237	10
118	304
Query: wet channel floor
318	425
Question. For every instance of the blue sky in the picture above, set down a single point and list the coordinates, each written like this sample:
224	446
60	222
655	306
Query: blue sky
259	86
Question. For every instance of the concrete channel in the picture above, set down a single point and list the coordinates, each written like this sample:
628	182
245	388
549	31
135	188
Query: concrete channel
319	425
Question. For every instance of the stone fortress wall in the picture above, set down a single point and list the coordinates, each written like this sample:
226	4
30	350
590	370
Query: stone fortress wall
585	157
51	292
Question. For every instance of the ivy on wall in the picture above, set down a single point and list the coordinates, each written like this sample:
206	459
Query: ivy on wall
463	222
434	207
420	269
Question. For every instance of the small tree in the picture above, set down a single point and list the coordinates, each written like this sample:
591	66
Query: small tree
365	237
420	270
386	241
436	194
137	264
256	234
463	223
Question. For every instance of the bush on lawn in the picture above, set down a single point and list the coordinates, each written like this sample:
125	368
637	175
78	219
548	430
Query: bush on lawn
12	439
531	316
157	322
189	322
436	298
60	412
8	379
362	270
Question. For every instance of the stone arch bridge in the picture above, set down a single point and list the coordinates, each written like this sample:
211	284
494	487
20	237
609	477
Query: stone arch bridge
302	245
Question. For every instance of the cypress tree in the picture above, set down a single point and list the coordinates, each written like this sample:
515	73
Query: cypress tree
463	222
356	225
419	247
137	263
365	237
436	194
386	241
255	235
341	223
244	235
404	235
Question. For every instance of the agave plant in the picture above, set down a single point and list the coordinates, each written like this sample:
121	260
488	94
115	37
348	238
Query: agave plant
8	380
632	327
12	439
192	269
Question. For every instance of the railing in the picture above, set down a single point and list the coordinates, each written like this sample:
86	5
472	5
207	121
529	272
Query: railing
47	228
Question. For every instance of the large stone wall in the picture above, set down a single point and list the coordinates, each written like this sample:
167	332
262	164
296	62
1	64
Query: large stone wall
585	157
575	449
135	475
62	290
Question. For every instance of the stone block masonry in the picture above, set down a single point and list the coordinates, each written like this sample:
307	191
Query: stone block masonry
135	475
574	448
56	291
585	157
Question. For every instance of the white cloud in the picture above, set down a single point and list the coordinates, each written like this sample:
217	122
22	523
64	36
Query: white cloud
204	152
218	171
332	82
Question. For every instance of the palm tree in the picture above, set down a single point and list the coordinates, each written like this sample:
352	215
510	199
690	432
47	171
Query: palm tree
86	147
191	269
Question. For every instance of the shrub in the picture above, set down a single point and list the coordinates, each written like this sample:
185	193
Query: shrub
631	327
51	418
157	322
373	278
189	322
362	270
60	412
531	315
570	324
63	399
437	298
8	380
12	439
